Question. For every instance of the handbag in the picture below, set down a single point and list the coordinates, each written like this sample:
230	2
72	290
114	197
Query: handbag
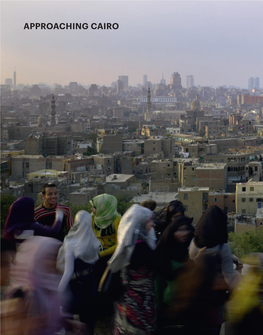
110	286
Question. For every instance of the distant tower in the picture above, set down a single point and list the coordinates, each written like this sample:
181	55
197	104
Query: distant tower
120	86
256	82
144	79
189	81
149	104
53	112
163	81
175	81
251	83
125	80
14	79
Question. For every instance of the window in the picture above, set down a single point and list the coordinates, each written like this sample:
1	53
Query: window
185	208
251	188
243	211
243	189
153	149
243	199
250	199
225	196
185	196
259	200
215	199
193	169
27	164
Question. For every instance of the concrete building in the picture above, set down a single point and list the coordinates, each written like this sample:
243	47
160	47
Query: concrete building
83	195
19	132
195	201
249	197
213	176
244	223
24	164
47	146
225	201
105	163
108	144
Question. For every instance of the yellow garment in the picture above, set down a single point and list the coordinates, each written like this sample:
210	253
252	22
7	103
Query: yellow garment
245	296
108	242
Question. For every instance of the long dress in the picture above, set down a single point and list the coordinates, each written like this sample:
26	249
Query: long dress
136	309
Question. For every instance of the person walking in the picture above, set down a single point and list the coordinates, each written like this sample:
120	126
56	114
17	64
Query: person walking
76	258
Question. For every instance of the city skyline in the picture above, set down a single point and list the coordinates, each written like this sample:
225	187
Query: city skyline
217	42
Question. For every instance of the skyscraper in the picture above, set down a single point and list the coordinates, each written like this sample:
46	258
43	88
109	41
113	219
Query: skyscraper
251	84
144	79
125	80
189	81
256	82
175	81
14	77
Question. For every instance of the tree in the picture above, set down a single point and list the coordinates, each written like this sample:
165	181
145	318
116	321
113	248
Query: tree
132	129
6	202
76	208
90	151
246	242
93	137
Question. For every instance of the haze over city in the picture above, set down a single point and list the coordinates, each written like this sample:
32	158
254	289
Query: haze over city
217	42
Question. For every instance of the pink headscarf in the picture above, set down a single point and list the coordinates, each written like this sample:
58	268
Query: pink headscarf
34	272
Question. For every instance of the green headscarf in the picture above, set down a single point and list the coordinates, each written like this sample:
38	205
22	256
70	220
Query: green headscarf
106	210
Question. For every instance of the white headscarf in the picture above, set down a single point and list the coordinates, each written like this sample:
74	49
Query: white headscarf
132	228
81	241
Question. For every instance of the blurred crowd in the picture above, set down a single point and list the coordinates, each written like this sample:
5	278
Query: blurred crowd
149	271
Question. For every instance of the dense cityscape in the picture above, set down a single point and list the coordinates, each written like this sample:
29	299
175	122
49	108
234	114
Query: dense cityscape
201	145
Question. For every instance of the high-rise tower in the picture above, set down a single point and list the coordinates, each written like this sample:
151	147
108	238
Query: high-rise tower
189	81
53	112
125	80
14	77
144	79
251	83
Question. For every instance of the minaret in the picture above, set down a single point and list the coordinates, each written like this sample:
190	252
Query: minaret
14	79
53	112
149	104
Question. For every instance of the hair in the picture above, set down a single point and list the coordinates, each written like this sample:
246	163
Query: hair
150	204
48	185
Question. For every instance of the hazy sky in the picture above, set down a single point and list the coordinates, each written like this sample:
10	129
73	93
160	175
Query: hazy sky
218	42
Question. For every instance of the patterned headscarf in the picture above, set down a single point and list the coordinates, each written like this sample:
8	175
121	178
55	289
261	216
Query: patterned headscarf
132	228
106	210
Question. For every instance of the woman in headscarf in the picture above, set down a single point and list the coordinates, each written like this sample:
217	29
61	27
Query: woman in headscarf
163	217
105	223
33	291
136	258
77	256
211	232
20	223
172	248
